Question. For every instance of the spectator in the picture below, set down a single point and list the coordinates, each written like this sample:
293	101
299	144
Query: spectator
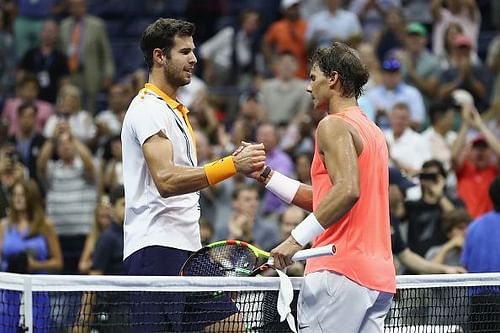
69	113
109	122
229	56
90	60
250	115
481	254
7	59
28	141
392	37
398	185
424	215
333	24
454	224
407	148
392	90
244	223
28	244
28	238
474	166
303	167
11	171
372	13
464	74
288	35
27	91
448	57
102	219
444	12
369	58
281	110
493	62
47	62
111	173
30	16
71	192
439	136
107	259
275	159
420	68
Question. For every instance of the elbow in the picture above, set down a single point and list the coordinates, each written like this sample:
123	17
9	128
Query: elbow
352	195
165	186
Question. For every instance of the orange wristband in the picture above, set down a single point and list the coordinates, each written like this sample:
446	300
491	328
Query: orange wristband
219	170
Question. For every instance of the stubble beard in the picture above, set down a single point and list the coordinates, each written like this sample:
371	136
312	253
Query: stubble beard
173	77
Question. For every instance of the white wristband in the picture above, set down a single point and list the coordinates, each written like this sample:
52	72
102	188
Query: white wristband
307	230
285	188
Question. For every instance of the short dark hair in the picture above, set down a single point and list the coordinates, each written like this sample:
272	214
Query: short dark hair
454	218
344	60
435	163
244	187
495	193
438	110
25	106
161	34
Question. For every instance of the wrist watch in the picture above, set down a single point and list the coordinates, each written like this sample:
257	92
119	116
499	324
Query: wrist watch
263	176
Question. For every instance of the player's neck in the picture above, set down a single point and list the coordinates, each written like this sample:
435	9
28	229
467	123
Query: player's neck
158	79
338	105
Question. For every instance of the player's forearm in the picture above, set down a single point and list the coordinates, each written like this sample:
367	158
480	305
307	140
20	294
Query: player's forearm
303	197
341	198
181	180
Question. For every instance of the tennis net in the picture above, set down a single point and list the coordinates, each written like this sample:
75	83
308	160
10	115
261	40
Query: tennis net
98	304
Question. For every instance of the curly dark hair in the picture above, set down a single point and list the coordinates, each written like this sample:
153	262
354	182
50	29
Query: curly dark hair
161	34
342	59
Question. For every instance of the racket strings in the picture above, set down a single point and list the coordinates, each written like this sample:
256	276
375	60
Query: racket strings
226	260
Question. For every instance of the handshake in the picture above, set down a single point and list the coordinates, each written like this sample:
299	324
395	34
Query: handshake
250	159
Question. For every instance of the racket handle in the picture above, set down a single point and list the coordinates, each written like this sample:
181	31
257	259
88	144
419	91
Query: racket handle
327	250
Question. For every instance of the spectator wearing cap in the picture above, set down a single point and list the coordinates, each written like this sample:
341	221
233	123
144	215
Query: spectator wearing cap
251	113
333	24
445	12
393	90
279	110
474	165
288	35
465	74
439	136
419	67
398	184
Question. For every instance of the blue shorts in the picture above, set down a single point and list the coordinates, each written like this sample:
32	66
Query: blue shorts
172	312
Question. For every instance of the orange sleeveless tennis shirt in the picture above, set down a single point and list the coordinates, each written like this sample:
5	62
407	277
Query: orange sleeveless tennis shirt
362	236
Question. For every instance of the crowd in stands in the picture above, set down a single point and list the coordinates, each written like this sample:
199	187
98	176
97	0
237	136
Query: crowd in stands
69	69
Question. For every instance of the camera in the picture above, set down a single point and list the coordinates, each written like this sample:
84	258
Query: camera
428	176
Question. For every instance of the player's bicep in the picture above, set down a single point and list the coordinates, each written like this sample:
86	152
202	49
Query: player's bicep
159	156
339	153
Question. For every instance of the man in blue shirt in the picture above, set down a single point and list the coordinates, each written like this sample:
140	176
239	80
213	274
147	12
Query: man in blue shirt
481	254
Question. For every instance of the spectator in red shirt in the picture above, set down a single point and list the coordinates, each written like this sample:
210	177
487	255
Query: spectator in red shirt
475	166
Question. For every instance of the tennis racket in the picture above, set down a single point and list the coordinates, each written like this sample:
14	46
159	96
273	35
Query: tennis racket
238	258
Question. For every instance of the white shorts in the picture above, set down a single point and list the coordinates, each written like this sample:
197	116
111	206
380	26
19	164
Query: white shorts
329	302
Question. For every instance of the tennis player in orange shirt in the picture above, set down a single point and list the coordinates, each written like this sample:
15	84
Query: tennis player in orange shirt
349	205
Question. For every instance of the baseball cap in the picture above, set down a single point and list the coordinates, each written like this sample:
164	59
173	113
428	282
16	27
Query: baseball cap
479	140
462	40
416	28
397	178
391	65
285	4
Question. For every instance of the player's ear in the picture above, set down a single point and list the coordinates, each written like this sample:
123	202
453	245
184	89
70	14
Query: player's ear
158	56
334	78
